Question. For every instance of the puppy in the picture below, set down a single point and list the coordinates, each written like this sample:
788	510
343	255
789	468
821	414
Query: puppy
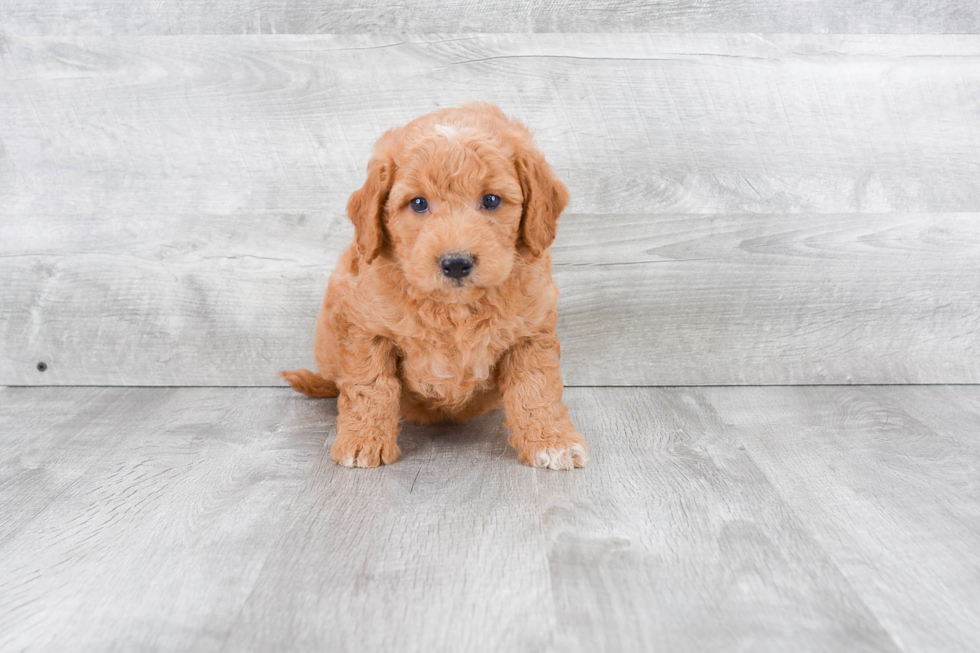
444	307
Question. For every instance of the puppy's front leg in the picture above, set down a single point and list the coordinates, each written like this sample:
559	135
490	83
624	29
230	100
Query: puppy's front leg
541	431
367	423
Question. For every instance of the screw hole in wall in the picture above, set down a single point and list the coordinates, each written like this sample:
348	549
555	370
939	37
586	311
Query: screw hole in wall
42	366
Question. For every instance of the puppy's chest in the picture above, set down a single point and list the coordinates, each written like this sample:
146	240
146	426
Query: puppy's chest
449	363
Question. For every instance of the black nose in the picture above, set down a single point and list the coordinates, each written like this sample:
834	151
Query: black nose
456	266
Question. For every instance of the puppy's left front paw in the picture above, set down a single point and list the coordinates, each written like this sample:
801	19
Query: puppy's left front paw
561	452
364	451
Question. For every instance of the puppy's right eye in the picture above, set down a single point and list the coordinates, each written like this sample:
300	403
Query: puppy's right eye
419	205
490	202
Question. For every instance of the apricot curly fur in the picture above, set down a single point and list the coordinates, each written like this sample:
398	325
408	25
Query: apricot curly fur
310	383
398	338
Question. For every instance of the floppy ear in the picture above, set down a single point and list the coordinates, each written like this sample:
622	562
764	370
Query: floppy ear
365	208
545	197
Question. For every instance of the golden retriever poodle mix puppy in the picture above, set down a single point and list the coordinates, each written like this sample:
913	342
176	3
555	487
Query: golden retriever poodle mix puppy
444	307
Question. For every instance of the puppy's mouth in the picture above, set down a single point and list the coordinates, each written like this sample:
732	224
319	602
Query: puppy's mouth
458	286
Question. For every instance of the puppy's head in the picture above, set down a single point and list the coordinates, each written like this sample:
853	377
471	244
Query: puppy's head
454	197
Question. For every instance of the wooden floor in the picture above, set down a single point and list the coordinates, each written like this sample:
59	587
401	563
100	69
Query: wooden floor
709	519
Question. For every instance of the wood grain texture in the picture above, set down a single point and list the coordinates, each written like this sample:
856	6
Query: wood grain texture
434	16
890	488
745	209
212	519
748	299
633	123
137	519
626	570
647	299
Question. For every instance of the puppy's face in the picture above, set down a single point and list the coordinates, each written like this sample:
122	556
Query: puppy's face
454	198
454	210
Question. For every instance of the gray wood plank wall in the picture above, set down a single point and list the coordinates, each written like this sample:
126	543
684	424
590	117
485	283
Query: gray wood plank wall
747	208
45	17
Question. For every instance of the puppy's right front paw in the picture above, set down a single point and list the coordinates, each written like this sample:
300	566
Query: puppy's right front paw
368	451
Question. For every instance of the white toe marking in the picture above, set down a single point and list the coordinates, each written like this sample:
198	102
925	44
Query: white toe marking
579	454
561	458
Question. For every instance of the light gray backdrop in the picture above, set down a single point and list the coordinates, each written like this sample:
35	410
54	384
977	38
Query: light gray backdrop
764	192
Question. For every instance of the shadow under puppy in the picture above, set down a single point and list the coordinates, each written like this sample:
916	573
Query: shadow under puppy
444	307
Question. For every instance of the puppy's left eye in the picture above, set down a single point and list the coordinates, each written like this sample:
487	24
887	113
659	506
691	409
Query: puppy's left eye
491	202
419	205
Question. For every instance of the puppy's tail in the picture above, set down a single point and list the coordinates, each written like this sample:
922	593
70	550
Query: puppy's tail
311	384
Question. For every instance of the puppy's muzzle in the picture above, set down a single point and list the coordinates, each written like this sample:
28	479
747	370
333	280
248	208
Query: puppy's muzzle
457	266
